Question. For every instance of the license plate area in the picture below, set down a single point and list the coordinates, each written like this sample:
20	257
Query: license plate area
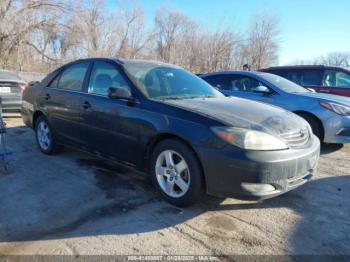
304	166
5	90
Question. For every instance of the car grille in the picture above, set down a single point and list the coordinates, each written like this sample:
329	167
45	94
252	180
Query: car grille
296	138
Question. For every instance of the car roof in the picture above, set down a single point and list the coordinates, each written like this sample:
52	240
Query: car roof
122	61
304	67
235	72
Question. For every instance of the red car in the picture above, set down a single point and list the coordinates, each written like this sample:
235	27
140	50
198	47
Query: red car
323	79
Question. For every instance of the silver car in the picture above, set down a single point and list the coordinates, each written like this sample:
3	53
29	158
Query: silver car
328	115
11	88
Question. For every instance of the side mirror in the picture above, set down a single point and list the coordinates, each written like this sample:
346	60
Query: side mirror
262	89
119	93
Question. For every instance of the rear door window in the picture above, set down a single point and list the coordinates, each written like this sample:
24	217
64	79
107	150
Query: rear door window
219	81
294	76
244	83
333	78
311	77
72	78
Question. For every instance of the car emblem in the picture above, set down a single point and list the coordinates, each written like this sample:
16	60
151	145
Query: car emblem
303	132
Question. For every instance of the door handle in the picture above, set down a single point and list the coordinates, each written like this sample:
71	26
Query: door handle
86	105
47	96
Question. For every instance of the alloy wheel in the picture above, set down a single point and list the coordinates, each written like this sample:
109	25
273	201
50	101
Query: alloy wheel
44	135
173	174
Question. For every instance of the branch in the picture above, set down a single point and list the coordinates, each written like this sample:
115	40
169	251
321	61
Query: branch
40	52
40	4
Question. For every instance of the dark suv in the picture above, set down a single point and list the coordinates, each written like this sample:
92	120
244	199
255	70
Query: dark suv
324	79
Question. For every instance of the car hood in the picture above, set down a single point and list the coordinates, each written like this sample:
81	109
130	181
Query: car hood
331	98
244	113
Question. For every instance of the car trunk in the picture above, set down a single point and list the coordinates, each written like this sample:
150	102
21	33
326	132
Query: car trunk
10	88
10	93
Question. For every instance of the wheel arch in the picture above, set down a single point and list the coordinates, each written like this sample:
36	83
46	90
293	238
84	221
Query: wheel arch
152	143
301	113
36	115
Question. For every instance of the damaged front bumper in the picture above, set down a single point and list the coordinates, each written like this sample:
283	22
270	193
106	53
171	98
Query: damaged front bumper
258	174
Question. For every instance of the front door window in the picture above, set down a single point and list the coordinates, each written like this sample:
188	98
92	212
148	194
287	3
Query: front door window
334	78
103	76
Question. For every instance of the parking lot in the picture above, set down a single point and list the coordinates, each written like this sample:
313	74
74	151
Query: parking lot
73	203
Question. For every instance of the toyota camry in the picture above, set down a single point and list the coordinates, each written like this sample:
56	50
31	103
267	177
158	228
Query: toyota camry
169	123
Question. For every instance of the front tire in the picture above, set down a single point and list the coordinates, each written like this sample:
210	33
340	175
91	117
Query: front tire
44	136
176	173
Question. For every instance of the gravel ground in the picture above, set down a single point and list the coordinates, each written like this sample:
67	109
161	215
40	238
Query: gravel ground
73	203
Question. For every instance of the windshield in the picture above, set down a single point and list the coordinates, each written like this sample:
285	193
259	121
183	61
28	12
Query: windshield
161	81
284	84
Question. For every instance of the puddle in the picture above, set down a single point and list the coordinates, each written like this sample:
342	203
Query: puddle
118	182
112	183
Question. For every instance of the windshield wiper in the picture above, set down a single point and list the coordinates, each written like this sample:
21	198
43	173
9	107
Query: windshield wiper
208	96
172	97
183	97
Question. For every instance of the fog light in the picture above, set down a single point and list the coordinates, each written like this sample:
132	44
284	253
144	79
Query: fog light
257	188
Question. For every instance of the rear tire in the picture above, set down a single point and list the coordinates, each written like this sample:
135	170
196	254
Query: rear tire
176	173
45	139
316	126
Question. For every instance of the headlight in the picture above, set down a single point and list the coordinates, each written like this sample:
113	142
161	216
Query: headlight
249	139
337	108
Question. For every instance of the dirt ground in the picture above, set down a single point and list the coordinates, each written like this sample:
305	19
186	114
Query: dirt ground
73	203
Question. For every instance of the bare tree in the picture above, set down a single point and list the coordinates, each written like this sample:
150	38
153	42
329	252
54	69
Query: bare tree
215	51
38	35
182	41
334	59
88	28
134	35
261	47
20	21
331	59
171	28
